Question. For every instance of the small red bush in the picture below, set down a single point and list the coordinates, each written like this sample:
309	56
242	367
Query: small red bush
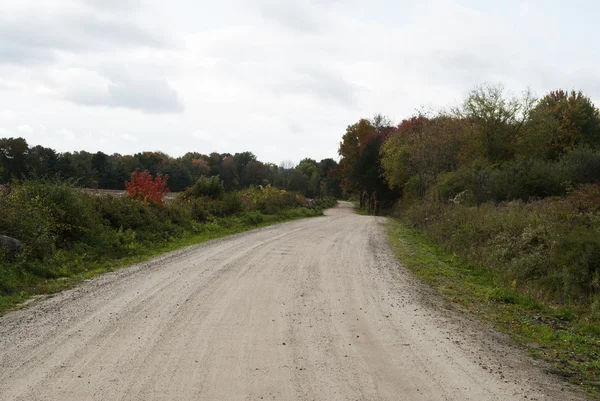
147	189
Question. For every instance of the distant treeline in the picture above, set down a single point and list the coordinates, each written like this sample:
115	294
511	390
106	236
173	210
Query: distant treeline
20	161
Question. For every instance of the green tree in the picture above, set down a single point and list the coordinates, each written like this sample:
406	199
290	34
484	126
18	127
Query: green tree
496	119
14	159
43	161
229	174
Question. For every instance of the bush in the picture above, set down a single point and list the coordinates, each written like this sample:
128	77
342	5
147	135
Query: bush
199	209
47	215
519	179
232	204
147	189
582	165
270	200
325	203
550	247
206	187
252	218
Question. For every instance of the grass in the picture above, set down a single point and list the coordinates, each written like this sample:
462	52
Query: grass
220	228
560	336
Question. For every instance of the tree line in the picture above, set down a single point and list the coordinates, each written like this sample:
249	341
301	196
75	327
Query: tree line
492	147
19	161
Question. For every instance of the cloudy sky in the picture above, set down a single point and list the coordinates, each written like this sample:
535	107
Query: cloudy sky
280	78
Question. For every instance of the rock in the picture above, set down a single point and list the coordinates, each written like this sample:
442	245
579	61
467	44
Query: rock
10	246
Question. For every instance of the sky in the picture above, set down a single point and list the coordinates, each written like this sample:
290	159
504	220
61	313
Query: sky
282	79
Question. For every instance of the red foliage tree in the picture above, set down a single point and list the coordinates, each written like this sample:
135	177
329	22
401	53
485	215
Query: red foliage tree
147	189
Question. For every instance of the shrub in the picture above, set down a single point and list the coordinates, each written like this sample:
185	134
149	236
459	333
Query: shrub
582	165
550	247
47	215
252	218
209	187
232	204
270	200
325	203
199	209
147	189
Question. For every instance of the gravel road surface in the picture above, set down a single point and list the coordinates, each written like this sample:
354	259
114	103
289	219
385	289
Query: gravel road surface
316	309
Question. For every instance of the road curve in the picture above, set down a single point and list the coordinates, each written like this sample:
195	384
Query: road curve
316	309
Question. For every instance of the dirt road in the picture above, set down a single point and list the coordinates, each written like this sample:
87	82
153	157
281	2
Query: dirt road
315	309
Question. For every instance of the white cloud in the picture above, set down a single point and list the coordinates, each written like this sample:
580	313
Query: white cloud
202	135
129	138
7	115
67	135
281	79
117	89
25	129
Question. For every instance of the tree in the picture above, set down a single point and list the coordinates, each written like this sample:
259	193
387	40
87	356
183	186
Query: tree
559	122
229	173
43	161
99	164
308	168
14	159
404	152
349	151
179	178
382	124
255	173
152	161
195	165
360	166
215	161
329	182
241	161
421	148
496	119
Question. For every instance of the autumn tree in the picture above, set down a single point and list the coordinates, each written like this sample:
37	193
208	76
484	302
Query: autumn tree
404	154
350	150
360	165
421	148
560	121
368	173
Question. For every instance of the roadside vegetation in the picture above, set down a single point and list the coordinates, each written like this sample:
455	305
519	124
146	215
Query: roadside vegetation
497	204
563	335
69	235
